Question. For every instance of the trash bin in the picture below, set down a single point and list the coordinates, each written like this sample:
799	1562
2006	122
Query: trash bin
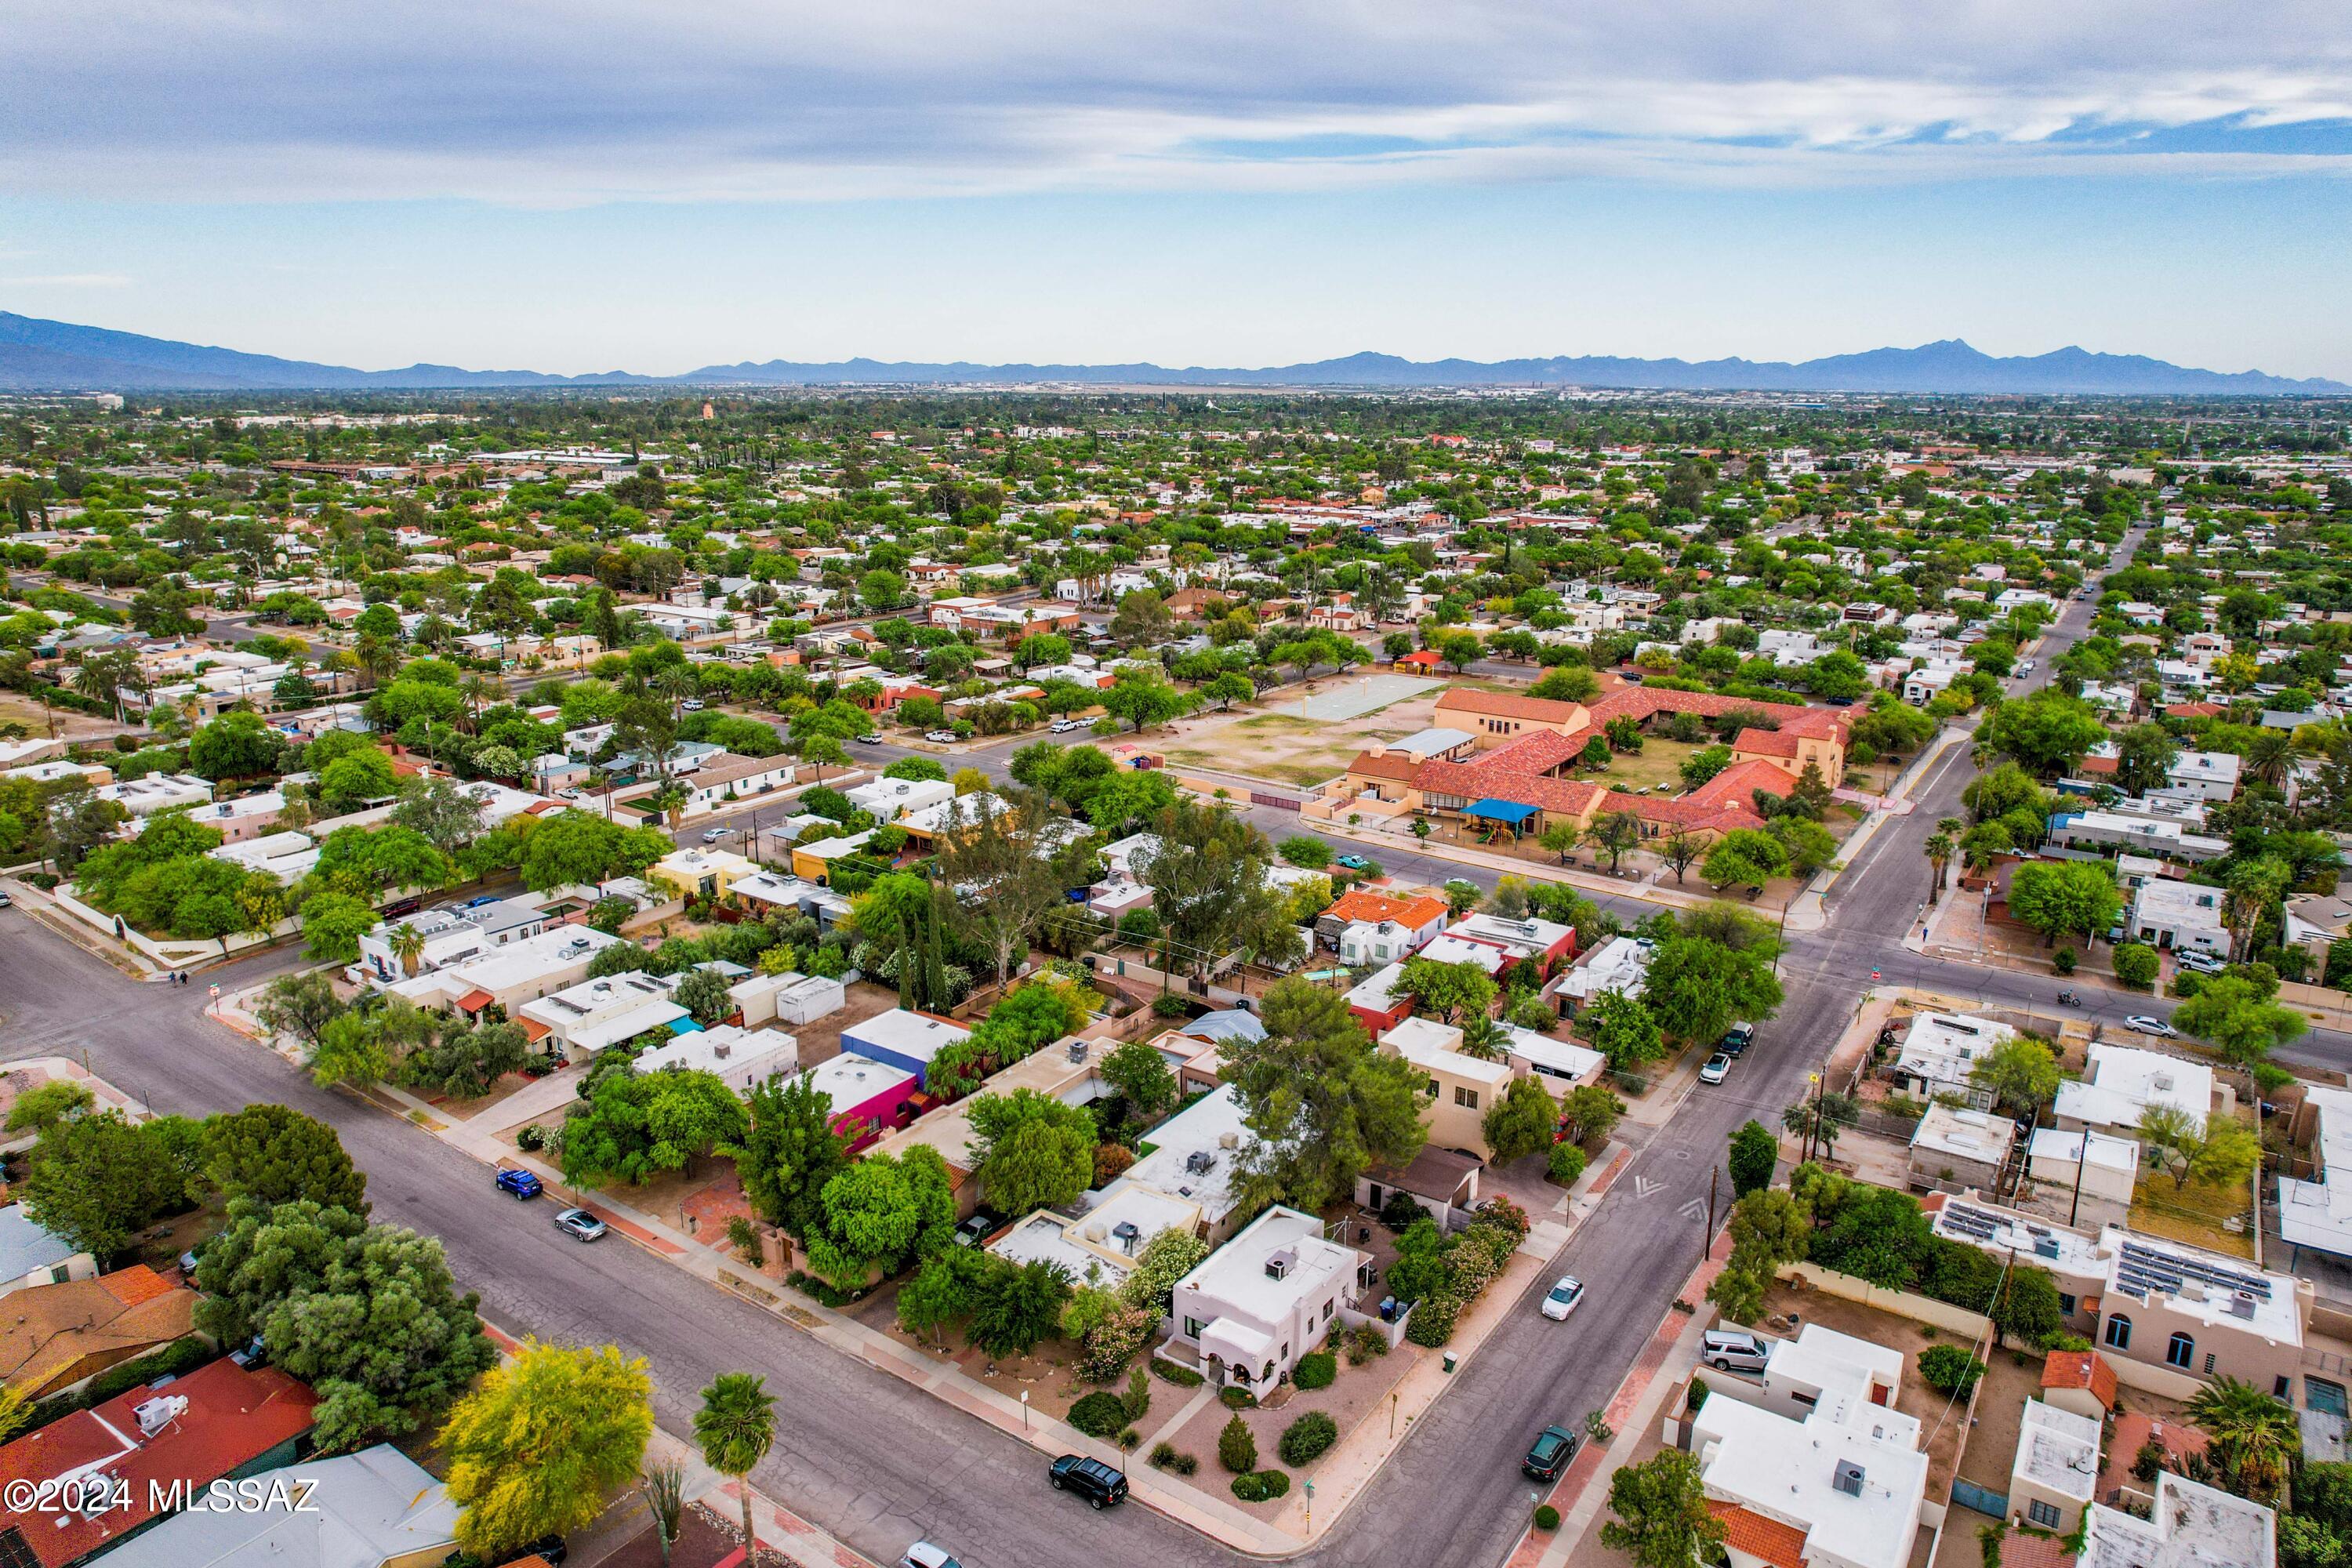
1449	1360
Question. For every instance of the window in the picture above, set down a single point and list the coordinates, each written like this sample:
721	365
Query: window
2065	1304
2045	1514
2119	1332
1465	1098
1192	1328
2180	1351
2281	1387
1326	1311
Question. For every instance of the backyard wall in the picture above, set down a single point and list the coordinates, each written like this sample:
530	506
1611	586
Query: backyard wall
1902	1303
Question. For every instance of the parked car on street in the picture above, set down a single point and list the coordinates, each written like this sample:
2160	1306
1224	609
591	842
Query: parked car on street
521	1184
1717	1069
1091	1479
1562	1298
1736	1039
579	1225
691	705
1064	726
1353	862
1549	1455
876	740
2140	1022
942	736
6	903
2200	962
923	1554
713	835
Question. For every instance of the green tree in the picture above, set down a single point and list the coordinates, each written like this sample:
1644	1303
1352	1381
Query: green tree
1520	1122
735	1427
1589	1112
1697	987
635	1126
42	1107
97	1180
2255	1438
1624	1031
274	1154
2019	1073
1143	698
2066	897
1744	858
2215	1149
2238	1017
535	1450
1459	991
1208	879
703	993
790	1151
1014	1306
879	1213
2146	752
1030	1149
1140	1075
1324	1103
1614	834
2046	732
1754	1153
237	745
1662	1518
367	1314
2027	1310
332	924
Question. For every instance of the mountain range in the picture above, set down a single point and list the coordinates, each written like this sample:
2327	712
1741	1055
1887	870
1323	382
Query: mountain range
39	356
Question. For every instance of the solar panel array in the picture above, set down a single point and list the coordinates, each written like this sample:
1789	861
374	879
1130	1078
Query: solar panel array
2144	1268
1974	1224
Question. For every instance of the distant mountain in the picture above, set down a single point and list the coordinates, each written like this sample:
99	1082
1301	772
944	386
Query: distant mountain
39	356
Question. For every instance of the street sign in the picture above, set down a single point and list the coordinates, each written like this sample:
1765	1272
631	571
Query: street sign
213	992
1874	976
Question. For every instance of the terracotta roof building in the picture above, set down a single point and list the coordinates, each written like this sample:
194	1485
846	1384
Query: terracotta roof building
220	1422
52	1337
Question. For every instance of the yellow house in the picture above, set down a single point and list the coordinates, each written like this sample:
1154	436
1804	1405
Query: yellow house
814	862
700	872
1462	1088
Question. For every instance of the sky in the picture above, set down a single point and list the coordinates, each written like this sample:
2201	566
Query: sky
660	184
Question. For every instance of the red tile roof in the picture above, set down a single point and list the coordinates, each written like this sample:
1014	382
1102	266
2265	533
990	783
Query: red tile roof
1783	1546
2081	1369
1509	705
1412	913
1737	785
1482	780
136	1284
1766	742
474	1001
232	1417
2020	1550
1397	766
1538	751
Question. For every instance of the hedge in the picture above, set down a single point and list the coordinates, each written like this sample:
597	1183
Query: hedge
1317	1368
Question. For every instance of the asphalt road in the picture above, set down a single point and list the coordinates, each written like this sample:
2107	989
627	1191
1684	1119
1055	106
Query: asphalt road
881	1464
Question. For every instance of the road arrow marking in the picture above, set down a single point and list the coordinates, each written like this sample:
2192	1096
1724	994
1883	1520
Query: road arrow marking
1643	1186
1694	1209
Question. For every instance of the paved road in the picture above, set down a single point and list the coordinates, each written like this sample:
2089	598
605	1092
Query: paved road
879	1463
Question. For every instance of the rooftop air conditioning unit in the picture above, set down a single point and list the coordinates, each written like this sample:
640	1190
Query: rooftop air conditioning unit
1077	1050
1279	1265
155	1415
2046	1246
1847	1478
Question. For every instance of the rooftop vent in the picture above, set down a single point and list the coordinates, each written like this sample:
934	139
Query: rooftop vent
1127	1233
2046	1246
1847	1478
1077	1050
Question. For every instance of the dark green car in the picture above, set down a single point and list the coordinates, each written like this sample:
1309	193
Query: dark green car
1553	1448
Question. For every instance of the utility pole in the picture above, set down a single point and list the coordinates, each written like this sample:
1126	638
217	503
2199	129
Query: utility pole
1707	1237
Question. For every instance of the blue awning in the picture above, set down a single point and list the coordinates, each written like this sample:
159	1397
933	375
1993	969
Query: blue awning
1510	811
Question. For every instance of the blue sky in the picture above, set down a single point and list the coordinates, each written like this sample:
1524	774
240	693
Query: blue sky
617	183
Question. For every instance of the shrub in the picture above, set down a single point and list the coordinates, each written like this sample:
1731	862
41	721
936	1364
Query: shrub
1110	1161
745	1239
1261	1486
1433	1320
1948	1369
1547	1518
2135	965
1317	1368
1161	1453
1305	1439
1564	1163
1699	1392
1236	1398
1169	1372
531	1139
1236	1448
1137	1398
1364	1342
2065	962
1098	1414
1172	1005
1400	1211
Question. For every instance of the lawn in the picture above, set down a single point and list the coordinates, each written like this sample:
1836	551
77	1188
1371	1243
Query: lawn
1658	762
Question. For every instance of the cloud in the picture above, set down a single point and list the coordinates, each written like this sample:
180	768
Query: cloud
531	102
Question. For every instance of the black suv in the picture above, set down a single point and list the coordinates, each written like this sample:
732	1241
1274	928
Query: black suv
1090	1478
1554	1447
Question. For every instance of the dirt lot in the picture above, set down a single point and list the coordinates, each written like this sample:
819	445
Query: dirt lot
1284	746
821	1041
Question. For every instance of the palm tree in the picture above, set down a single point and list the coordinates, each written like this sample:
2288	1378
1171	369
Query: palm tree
408	944
678	683
101	678
1939	850
735	1427
2269	754
2253	1436
478	690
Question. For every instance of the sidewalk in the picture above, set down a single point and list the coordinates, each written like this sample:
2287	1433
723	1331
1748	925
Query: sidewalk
44	909
779	1528
1632	1412
1642	891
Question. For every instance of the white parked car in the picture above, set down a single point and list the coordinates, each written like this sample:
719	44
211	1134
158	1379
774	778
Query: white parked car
692	705
1064	726
2140	1022
872	741
1561	1299
2201	962
941	735
923	1554
1717	1067
713	835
